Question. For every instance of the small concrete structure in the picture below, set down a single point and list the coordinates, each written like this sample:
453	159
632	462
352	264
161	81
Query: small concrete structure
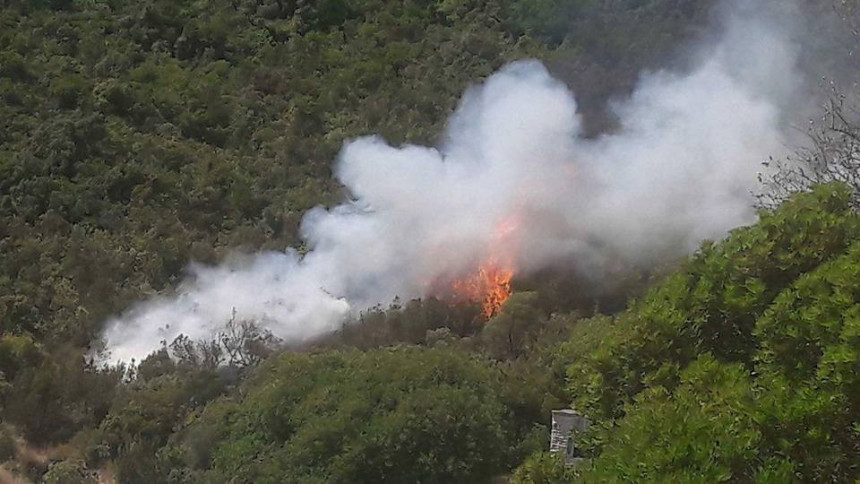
565	425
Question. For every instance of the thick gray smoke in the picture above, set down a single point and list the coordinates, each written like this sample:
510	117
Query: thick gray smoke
680	169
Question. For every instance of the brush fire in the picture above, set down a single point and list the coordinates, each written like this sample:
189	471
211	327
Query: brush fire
490	283
494	200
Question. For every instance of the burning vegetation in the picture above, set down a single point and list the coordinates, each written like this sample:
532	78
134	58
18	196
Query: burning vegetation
490	283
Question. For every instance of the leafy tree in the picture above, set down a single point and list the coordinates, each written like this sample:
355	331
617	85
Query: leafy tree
509	334
400	415
70	393
738	367
712	303
543	468
809	353
703	430
68	472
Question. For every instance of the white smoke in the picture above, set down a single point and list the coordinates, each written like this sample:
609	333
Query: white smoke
680	169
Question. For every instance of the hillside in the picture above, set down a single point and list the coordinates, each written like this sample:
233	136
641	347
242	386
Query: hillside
139	137
740	365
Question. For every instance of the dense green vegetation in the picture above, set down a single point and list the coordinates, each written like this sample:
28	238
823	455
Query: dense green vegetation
138	136
740	366
399	415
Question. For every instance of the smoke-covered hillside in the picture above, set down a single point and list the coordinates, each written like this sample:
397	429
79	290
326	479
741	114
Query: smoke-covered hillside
366	241
515	187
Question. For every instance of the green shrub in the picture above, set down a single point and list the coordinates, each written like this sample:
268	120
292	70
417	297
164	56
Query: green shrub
543	468
68	472
711	305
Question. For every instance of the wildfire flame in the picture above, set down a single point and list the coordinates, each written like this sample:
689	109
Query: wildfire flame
490	284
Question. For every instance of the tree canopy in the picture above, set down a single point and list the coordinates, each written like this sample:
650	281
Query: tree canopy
140	136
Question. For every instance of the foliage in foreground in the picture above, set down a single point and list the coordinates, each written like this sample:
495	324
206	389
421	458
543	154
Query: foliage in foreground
393	415
740	366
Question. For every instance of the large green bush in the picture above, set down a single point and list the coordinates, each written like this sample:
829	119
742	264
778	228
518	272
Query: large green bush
393	415
712	303
741	366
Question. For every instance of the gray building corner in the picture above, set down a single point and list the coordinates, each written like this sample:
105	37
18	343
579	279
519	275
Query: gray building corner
566	425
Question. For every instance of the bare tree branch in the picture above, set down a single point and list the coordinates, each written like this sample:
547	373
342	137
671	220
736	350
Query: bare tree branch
833	156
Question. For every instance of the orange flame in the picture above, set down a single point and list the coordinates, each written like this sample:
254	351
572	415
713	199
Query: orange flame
490	284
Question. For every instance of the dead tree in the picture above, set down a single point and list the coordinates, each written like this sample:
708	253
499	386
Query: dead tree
833	155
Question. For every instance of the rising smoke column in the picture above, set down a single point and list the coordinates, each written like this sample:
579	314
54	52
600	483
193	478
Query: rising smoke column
680	169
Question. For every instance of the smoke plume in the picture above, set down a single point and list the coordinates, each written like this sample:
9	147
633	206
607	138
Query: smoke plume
680	168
